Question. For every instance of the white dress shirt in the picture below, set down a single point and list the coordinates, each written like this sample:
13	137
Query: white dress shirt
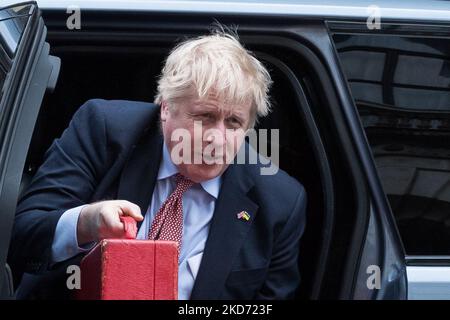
198	208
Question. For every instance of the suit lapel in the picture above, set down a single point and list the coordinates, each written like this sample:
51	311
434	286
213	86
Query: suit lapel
226	234
138	177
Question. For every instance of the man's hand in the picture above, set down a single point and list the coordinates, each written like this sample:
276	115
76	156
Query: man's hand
101	220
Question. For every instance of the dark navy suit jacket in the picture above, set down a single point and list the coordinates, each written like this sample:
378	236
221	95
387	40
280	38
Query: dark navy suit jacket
112	150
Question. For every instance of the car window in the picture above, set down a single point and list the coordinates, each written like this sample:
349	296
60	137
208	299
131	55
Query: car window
12	24
401	87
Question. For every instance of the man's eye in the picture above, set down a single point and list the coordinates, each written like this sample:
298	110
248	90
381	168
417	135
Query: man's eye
234	121
204	116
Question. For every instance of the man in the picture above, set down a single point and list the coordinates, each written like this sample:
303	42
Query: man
238	230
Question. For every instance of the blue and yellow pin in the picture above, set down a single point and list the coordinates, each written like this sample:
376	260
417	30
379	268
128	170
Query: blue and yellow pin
243	215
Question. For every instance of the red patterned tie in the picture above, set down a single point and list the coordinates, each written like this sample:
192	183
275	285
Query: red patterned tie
168	222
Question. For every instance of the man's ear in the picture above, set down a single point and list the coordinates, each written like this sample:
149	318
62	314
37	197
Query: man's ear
164	111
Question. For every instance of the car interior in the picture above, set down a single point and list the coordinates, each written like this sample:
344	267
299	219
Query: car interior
130	73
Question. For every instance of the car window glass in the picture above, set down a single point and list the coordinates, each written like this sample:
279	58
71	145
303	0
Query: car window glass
12	25
401	87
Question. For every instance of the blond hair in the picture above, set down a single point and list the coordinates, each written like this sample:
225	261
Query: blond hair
215	64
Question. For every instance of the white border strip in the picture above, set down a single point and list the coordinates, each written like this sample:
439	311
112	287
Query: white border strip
428	283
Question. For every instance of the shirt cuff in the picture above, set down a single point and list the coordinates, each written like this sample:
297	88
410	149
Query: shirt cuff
65	242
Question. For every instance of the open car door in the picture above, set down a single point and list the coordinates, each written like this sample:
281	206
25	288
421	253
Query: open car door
26	72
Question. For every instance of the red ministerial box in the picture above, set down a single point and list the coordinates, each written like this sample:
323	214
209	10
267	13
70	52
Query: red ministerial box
122	269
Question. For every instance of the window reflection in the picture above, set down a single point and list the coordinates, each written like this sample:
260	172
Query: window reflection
401	87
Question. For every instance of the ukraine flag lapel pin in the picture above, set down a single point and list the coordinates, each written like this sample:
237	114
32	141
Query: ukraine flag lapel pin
243	215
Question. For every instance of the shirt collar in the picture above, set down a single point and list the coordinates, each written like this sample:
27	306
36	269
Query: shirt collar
167	169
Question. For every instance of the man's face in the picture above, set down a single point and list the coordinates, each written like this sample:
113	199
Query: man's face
207	135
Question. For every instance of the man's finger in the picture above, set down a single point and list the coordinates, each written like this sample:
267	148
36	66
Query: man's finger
114	226
131	209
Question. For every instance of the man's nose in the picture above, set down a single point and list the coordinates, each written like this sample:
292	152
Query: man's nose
218	135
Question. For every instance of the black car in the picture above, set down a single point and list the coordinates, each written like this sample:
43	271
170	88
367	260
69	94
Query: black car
361	96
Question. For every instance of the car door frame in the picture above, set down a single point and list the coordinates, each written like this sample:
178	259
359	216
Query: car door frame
33	72
377	250
310	37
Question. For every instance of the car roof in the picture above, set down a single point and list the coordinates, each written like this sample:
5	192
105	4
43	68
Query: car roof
412	10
